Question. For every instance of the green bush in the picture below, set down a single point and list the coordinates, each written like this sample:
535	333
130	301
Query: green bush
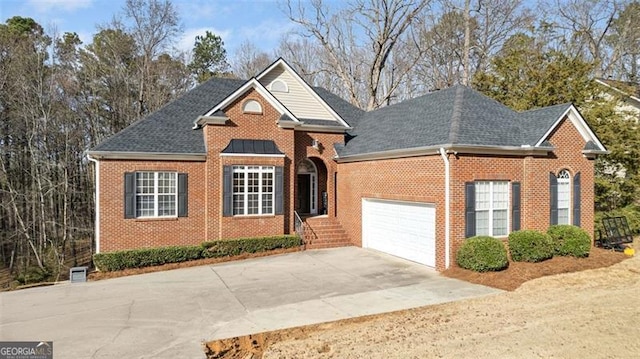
234	247
530	246
482	254
138	258
570	240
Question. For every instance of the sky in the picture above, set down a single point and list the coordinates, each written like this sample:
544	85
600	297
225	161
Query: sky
259	21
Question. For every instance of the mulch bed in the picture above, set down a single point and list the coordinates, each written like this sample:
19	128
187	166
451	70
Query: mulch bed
520	272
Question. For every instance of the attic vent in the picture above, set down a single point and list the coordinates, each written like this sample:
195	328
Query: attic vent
251	106
279	86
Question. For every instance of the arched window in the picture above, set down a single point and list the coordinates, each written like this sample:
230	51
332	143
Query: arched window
564	197
251	106
279	86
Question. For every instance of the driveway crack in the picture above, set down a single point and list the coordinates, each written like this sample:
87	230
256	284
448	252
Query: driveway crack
230	291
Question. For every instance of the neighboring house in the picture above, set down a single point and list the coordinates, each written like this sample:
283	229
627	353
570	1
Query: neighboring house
627	94
238	158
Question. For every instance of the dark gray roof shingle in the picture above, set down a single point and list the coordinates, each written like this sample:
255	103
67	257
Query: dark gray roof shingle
457	115
169	129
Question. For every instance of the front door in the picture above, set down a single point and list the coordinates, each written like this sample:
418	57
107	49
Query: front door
304	193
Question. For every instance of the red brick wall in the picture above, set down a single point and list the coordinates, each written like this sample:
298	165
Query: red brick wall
418	179
422	179
568	155
118	233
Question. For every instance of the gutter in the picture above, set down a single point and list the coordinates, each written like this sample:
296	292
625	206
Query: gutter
96	199
467	149
447	225
150	156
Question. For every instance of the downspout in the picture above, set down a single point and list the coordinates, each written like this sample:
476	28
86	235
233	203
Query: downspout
96	195
447	175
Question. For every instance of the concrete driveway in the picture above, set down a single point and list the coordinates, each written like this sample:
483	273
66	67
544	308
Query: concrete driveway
169	314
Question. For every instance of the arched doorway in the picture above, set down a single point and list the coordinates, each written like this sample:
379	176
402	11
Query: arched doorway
307	180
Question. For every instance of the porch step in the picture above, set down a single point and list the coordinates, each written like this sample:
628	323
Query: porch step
324	232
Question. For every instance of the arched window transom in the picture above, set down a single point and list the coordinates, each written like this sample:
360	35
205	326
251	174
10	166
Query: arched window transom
251	106
279	86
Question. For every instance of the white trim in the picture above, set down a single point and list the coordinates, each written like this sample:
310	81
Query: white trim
252	103
579	123
321	128
251	155
210	120
455	149
569	184
286	87
492	209
447	193
303	83
96	200
153	156
156	193
253	83
617	90
313	185
245	171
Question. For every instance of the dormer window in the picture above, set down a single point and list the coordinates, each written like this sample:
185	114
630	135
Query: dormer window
252	106
279	86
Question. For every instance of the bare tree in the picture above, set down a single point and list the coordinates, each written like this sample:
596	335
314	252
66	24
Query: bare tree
588	22
154	25
359	42
249	60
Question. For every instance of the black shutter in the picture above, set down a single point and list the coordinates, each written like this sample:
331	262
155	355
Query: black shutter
227	191
129	195
553	198
515	206
470	209
182	194
279	188
576	200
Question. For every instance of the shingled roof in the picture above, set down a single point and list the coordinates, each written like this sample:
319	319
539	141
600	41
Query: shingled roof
169	129
454	116
457	116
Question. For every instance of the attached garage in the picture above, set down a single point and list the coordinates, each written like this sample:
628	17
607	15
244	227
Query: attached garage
403	229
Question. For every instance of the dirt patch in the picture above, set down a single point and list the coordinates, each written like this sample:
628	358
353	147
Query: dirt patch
96	275
555	316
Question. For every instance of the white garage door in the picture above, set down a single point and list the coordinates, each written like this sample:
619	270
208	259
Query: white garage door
402	229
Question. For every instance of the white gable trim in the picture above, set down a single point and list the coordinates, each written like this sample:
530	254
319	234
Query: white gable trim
617	90
303	83
253	83
579	123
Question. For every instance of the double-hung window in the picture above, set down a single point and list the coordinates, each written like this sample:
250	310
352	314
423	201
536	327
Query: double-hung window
492	208
564	197
156	194
253	190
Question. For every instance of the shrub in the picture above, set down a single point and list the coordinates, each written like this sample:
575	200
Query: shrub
570	240
482	254
234	247
137	258
530	246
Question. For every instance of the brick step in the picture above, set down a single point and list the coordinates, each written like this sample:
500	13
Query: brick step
328	245
325	232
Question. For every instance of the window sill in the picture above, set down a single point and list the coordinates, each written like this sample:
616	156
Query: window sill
155	219
253	216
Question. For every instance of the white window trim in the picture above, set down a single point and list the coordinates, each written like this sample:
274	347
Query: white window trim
244	169
251	102
313	184
284	84
156	194
491	208
565	181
